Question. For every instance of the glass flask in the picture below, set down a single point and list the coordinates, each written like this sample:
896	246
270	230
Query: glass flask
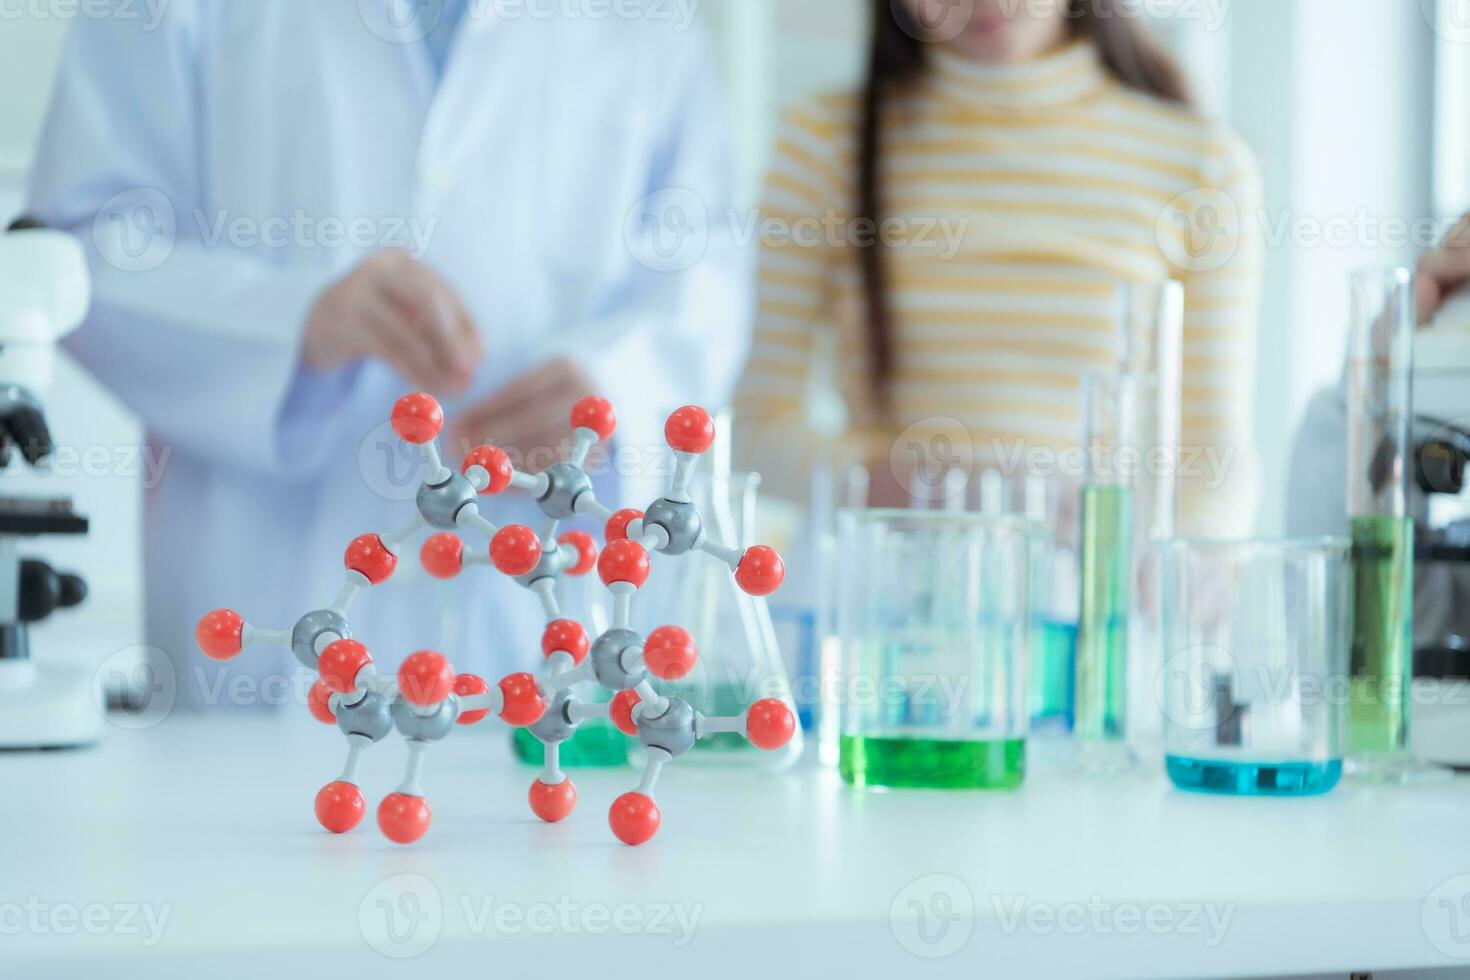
739	660
597	742
934	618
1380	366
1253	685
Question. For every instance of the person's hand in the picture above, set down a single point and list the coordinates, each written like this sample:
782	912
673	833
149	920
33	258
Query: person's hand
531	415
1444	270
397	310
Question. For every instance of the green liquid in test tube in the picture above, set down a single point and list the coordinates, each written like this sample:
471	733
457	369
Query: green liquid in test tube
1382	646
1106	556
1102	636
1380	456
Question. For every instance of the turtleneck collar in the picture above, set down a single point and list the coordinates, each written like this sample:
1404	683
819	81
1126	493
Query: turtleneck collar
1066	75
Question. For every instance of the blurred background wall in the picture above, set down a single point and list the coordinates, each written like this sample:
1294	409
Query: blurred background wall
1357	110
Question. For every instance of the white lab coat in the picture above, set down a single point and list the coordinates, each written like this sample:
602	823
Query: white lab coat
530	156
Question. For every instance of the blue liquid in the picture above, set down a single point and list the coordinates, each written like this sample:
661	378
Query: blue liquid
1252	778
1053	671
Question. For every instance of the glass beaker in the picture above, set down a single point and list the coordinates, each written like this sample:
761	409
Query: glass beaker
1380	367
934	619
739	660
1254	684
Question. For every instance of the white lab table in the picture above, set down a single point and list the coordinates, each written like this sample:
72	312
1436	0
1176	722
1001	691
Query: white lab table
205	825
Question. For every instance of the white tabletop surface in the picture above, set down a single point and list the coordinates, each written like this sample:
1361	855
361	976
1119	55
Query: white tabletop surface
189	849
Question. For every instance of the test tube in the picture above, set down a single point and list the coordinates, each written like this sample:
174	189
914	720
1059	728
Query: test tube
1110	437
1150	340
1380	368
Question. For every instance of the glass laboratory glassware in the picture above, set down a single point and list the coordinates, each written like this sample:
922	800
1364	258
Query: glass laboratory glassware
934	619
597	742
1150	339
1052	671
1380	367
1107	573
739	659
1256	634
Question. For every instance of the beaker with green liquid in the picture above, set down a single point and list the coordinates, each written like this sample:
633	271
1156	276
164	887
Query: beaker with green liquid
1380	366
934	619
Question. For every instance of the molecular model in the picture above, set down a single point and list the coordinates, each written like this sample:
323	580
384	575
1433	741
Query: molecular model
427	698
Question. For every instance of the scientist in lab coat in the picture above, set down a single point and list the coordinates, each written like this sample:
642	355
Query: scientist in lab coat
1316	501
297	212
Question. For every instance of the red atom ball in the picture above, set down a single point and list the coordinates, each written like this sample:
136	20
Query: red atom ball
319	703
670	653
495	462
596	414
339	806
403	819
621	711
515	549
425	678
339	665
586	551
769	724
370	558
524	702
220	634
442	556
634	818
623	561
617	525
568	636
469	685
690	430
417	418
761	571
553	803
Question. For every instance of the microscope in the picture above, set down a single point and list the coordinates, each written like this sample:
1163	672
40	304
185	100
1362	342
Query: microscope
44	293
1441	724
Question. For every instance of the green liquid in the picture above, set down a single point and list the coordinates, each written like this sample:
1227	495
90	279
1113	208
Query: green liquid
597	744
933	763
1102	634
718	700
1383	648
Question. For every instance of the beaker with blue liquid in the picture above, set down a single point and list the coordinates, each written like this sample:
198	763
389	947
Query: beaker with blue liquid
1254	682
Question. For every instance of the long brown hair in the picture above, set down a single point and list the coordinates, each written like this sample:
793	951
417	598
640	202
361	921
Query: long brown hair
897	59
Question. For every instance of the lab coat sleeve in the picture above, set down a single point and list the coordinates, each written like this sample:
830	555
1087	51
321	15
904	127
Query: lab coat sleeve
199	338
677	329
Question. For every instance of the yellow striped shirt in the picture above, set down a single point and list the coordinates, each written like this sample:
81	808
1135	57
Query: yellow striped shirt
1015	200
